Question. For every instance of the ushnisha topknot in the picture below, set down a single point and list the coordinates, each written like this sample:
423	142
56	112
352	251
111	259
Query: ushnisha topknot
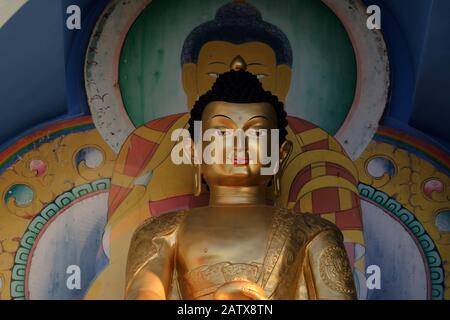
239	87
237	22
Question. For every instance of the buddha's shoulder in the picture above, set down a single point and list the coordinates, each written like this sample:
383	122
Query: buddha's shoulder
307	224
159	226
142	245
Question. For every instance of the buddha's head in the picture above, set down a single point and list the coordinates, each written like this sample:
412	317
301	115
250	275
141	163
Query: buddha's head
238	103
238	37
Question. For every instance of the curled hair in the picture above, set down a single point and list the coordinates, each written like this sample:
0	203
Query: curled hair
239	87
237	22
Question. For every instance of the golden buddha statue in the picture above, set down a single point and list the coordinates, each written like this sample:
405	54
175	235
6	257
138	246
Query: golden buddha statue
239	246
318	177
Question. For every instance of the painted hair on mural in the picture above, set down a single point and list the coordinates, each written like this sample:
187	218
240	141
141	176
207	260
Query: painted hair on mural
239	87
237	22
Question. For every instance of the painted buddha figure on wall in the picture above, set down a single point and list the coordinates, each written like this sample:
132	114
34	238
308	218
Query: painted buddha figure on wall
318	178
238	30
239	247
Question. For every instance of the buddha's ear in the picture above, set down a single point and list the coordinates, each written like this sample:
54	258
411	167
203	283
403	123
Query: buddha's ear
284	74
285	152
195	153
189	78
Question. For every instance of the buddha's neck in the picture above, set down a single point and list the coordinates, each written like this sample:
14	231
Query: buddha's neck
234	196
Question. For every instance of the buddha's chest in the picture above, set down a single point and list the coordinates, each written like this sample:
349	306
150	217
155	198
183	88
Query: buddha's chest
213	250
217	237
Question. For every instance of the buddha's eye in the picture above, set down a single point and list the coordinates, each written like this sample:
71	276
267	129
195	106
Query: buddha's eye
214	75
224	132
256	132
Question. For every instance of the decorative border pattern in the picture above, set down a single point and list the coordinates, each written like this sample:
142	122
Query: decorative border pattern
28	239
435	154
31	142
430	251
112	121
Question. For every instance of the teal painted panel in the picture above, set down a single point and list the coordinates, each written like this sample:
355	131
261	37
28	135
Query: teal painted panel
324	69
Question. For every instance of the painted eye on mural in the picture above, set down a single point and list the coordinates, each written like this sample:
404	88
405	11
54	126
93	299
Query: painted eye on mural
214	75
261	76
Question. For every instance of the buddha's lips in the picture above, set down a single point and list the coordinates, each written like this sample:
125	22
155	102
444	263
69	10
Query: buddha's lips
239	160
243	161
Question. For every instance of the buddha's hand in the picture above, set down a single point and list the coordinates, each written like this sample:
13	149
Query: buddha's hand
240	290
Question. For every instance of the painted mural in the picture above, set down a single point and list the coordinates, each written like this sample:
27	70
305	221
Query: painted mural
72	194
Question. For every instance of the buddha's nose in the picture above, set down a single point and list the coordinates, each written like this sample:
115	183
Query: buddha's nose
240	139
238	64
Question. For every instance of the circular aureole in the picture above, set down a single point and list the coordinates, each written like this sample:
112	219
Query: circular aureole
442	221
432	185
22	194
377	167
113	123
38	166
92	156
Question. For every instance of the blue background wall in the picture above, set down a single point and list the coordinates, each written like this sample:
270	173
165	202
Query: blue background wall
416	33
41	80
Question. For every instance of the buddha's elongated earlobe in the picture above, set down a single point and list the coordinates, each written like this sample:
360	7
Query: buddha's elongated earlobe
197	170
276	185
197	180
285	152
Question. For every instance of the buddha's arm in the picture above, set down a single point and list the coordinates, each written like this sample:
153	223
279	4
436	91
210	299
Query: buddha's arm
147	286
151	259
327	271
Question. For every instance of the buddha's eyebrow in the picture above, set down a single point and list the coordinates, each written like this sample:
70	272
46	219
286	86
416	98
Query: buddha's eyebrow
217	62
255	64
221	115
258	117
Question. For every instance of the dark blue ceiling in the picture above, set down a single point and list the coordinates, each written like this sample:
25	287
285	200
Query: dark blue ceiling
36	66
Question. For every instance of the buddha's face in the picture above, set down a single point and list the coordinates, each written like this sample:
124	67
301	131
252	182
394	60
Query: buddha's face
217	57
228	118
